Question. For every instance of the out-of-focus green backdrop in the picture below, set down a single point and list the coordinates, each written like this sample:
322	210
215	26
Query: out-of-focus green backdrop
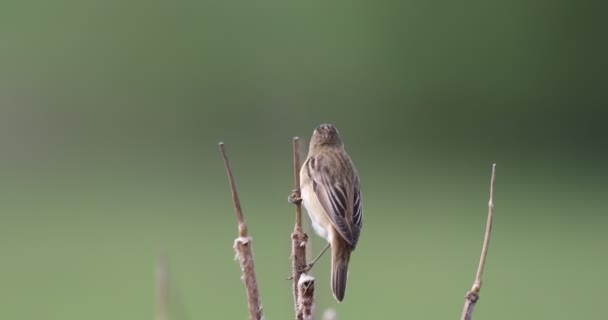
111	111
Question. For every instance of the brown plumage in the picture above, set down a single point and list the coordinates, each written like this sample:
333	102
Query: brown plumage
332	198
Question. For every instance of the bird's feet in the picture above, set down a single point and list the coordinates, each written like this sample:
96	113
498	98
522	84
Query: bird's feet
294	197
303	270
307	268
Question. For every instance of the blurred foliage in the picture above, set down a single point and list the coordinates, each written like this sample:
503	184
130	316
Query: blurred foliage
110	114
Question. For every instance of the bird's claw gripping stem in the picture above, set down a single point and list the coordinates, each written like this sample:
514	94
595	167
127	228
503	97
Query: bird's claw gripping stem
294	197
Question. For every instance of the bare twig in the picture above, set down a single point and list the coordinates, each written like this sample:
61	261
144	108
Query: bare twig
242	247
299	240
296	180
162	288
306	290
235	195
473	295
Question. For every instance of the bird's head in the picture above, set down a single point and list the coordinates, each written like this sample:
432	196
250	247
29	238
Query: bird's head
326	135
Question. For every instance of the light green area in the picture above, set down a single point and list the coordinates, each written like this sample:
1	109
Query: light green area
111	111
76	253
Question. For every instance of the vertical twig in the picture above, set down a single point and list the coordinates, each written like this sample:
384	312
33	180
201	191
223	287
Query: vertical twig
162	288
296	181
298	243
242	246
473	295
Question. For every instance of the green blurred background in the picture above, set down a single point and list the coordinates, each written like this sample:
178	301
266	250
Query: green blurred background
111	111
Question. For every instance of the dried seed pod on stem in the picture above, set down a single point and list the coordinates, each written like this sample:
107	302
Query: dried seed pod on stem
303	300
243	249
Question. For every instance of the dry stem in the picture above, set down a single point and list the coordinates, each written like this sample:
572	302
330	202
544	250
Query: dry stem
296	179
242	247
299	240
473	295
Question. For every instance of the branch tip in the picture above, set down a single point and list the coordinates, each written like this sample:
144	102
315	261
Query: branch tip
235	195
473	295
242	246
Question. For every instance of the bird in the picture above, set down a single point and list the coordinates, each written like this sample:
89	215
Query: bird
330	192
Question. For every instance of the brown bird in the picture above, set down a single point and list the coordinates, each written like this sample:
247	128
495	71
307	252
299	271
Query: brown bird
331	196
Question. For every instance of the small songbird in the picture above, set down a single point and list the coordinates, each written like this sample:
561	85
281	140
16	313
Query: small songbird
331	195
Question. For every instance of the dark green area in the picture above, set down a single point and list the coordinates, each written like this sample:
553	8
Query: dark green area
111	111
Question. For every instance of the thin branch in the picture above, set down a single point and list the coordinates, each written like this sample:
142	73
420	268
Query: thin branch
243	249
299	240
162	288
296	179
306	290
473	295
486	238
235	195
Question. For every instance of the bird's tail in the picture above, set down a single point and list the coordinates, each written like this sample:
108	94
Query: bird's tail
340	256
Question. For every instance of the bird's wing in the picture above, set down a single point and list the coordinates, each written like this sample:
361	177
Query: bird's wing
341	203
357	211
